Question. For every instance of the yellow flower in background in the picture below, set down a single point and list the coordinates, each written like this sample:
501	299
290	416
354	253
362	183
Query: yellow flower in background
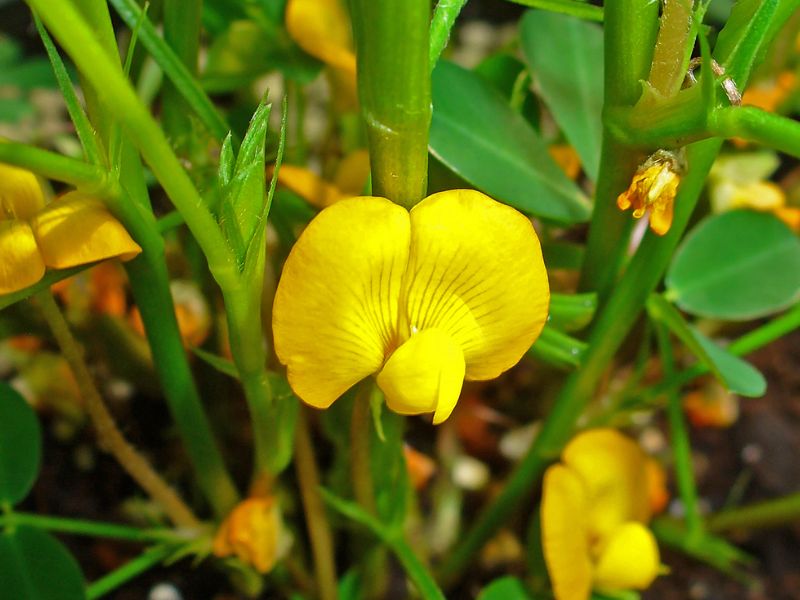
254	533
322	29
456	288
72	230
349	180
653	190
595	506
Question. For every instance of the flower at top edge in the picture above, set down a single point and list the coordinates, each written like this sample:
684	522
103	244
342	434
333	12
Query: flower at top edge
653	189
595	506
70	231
454	289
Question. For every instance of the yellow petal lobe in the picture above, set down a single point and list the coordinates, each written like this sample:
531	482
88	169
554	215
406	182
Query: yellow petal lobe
309	186
424	375
614	470
322	28
20	194
629	560
76	230
335	311
22	264
476	272
565	535
252	533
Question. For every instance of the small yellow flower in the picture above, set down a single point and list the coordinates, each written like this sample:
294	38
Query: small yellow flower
595	505
456	288
653	189
712	405
349	180
567	158
253	532
73	230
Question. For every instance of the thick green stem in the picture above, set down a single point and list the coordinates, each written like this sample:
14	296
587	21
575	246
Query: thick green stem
319	529
769	513
630	31
756	125
395	93
109	436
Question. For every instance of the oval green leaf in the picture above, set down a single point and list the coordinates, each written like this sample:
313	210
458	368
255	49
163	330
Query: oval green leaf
565	55
20	446
36	566
739	265
476	134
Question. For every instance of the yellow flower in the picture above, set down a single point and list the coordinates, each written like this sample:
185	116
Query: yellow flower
70	231
595	505
322	28
456	288
653	189
349	179
253	532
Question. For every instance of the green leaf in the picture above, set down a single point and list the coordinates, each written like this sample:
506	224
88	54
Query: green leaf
744	38
557	348
565	55
576	8
563	255
284	411
35	566
476	134
737	375
20	446
739	265
505	588
571	312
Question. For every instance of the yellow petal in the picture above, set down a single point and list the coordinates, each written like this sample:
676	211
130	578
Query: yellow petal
75	230
335	311
476	272
21	264
322	28
252	533
613	468
424	375
309	186
352	172
20	194
629	559
565	536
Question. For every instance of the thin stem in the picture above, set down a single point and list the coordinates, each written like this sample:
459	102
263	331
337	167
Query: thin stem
394	89
681	445
110	438
360	433
90	528
769	513
54	166
319	529
669	56
756	125
128	571
444	17
581	10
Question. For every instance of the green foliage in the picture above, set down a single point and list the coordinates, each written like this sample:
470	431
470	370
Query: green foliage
476	133
20	446
35	566
565	55
505	588
739	265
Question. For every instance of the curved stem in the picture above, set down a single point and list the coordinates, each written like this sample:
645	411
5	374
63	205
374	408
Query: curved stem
444	17
756	125
360	433
762	514
110	438
319	529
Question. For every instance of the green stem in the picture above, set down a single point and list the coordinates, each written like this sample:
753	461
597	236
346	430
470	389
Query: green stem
182	34
120	100
444	17
90	528
681	445
630	31
395	93
128	571
54	166
669	56
319	529
109	436
756	125
769	513
360	433
581	10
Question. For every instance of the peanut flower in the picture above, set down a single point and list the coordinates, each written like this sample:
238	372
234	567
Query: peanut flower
456	288
653	189
73	230
595	505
